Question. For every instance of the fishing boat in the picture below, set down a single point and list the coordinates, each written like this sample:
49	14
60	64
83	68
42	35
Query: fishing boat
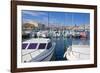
42	34
56	34
37	49
66	34
83	35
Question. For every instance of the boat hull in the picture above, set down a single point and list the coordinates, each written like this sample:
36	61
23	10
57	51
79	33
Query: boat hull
45	55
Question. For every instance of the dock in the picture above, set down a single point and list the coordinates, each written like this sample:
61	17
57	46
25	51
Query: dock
78	52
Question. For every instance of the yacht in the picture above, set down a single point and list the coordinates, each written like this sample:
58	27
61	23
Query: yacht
37	49
42	34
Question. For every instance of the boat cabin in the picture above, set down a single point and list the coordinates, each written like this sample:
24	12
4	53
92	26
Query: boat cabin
37	44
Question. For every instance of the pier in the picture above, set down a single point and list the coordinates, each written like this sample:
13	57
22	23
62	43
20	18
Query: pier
78	52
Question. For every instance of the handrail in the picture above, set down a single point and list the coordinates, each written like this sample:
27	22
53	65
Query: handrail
29	52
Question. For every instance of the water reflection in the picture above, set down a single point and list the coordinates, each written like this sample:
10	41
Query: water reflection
63	43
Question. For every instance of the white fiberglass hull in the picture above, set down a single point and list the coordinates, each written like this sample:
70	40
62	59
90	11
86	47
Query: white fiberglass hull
45	55
38	55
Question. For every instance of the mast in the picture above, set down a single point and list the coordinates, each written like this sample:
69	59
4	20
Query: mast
48	19
48	26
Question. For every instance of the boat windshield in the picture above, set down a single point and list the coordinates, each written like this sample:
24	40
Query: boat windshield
32	46
49	45
24	45
42	46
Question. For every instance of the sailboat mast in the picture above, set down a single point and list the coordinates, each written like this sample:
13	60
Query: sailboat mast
48	19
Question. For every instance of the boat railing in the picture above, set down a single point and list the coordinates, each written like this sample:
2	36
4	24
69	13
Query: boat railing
29	52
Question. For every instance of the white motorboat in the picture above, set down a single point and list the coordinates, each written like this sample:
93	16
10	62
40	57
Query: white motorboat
56	33
67	34
37	49
42	34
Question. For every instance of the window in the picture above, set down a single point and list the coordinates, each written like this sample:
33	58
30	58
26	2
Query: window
49	45
42	46
24	45
32	46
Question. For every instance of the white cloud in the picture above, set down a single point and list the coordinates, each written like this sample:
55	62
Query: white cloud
34	13
28	20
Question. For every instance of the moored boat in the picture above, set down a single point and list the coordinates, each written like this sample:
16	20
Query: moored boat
38	49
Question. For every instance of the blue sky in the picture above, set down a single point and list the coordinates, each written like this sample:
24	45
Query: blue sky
56	18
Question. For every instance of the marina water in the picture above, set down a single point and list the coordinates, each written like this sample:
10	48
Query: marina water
63	43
